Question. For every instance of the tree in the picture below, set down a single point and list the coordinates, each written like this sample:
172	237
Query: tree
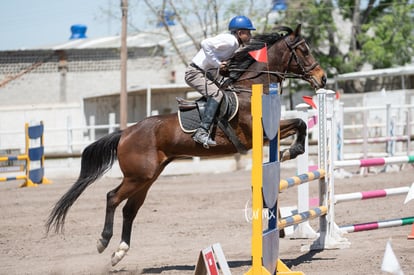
384	35
346	35
388	40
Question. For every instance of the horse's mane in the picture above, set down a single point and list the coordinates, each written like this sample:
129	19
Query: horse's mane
242	59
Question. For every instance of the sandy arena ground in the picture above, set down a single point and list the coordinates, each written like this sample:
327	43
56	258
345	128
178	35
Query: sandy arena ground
183	214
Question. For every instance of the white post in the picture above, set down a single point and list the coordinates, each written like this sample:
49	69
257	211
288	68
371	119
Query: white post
303	230
92	129
112	123
363	171
69	134
330	236
388	130
393	129
408	132
340	137
340	128
149	100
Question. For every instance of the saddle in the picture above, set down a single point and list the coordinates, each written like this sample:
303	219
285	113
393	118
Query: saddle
190	113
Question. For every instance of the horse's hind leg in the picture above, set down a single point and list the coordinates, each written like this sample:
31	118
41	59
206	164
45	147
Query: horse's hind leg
113	199
129	212
111	204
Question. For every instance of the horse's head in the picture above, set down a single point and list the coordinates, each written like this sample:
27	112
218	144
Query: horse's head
289	56
298	59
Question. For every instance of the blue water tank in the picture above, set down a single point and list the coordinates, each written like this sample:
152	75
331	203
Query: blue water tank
78	31
168	18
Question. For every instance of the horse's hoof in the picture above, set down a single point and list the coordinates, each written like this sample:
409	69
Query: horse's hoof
100	246
120	253
285	155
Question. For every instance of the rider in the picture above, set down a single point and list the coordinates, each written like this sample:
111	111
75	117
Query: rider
212	55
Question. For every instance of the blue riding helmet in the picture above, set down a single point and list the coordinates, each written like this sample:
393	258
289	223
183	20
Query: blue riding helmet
241	22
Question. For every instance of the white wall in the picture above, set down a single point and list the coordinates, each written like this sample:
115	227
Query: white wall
55	118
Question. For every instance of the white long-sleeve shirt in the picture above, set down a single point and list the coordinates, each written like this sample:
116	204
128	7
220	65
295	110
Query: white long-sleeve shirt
214	50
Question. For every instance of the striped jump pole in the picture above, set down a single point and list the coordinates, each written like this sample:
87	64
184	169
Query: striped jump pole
301	179
302	217
303	230
35	176
376	225
24	157
372	194
17	177
374	162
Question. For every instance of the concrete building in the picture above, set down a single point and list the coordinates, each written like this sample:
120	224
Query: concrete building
77	82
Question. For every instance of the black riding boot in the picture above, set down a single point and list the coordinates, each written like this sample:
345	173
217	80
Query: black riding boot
202	134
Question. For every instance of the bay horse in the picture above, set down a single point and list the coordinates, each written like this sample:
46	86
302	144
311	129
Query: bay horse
144	149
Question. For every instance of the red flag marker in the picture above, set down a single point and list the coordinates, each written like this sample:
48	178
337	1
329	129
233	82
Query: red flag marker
260	55
308	100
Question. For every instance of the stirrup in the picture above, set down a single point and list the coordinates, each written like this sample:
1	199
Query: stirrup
202	136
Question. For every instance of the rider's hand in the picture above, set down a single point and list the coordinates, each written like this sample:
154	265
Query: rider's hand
223	65
224	70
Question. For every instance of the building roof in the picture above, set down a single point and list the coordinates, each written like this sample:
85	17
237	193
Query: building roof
150	38
143	39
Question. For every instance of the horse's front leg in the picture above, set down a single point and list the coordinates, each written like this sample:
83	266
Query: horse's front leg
288	128
129	212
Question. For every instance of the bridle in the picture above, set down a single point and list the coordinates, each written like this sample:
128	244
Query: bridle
292	46
293	55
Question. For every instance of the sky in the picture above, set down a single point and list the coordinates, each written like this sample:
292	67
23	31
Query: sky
31	23
35	23
28	24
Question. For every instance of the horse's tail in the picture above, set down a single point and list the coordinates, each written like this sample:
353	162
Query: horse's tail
96	159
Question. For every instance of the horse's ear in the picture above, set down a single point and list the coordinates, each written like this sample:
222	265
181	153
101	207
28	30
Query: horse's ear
297	31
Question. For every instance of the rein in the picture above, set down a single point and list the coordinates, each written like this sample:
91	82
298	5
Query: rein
279	74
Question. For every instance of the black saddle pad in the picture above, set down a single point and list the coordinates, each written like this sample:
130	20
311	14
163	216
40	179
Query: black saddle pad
190	118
